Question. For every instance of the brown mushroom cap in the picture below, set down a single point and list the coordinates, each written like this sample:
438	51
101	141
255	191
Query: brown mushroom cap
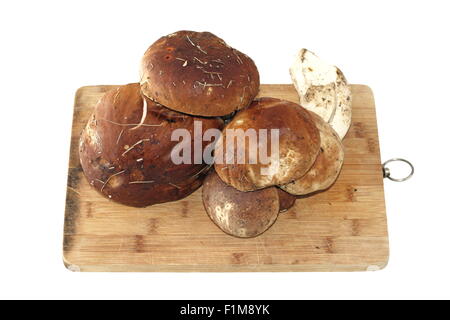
241	214
125	149
299	144
327	166
286	200
198	73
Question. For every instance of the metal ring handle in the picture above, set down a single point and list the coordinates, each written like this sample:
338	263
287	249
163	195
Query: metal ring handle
387	171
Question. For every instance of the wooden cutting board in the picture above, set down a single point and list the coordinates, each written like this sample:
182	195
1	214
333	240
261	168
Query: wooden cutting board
341	229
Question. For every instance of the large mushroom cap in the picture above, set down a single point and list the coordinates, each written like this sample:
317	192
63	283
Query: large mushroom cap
198	73
298	145
125	149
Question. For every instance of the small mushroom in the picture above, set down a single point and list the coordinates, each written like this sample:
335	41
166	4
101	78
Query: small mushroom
327	166
240	214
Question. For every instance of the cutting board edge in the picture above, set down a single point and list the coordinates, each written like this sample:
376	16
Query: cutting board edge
379	266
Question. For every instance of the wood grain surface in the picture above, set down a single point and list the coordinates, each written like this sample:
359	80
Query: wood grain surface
341	229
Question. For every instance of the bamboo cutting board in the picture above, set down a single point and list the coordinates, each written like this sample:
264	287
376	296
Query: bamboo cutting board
341	229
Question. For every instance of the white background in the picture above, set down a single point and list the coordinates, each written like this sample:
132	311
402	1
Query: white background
49	49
